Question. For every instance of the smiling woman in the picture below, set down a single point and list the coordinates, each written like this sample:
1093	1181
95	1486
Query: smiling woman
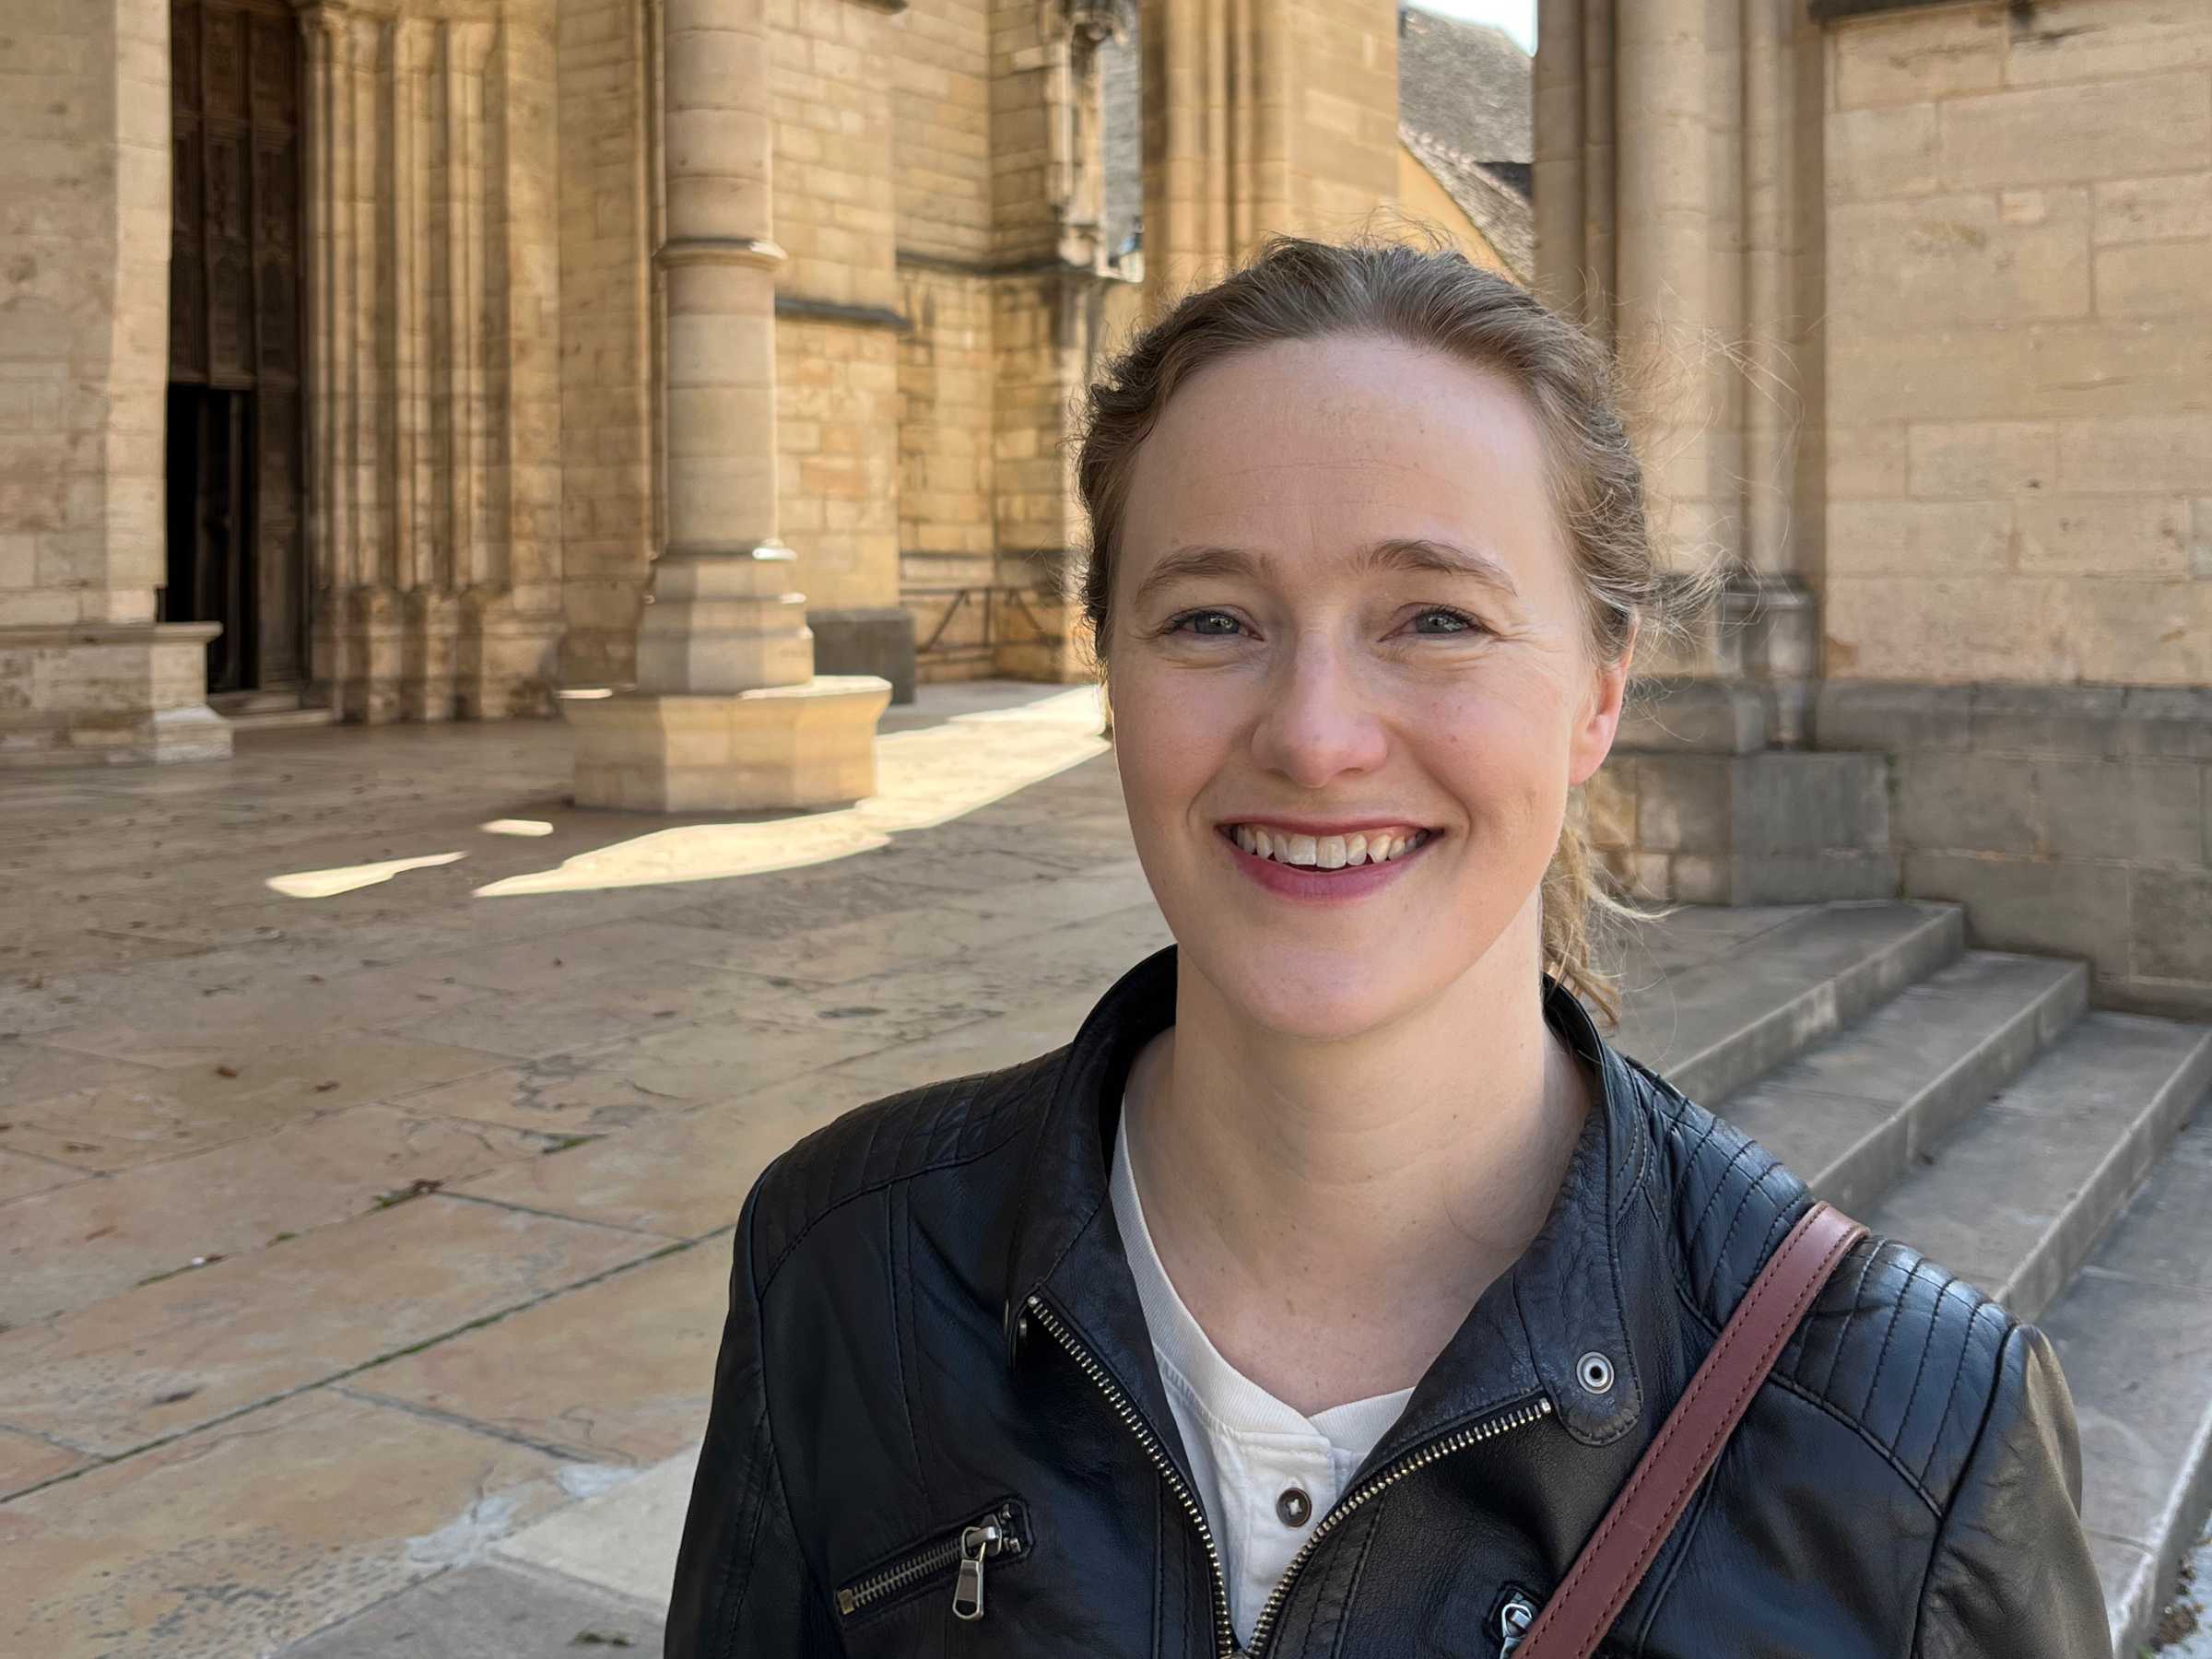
1321	1295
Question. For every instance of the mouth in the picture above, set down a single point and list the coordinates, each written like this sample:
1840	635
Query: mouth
1336	852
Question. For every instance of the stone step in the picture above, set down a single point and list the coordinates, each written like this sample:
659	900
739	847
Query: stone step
1721	997
2015	1199
1850	1115
2134	1334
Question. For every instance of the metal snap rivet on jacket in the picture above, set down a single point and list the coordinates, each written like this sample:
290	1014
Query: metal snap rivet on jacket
1294	1508
1594	1371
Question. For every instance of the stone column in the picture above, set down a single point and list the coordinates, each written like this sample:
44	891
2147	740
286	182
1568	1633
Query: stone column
1262	115
87	673
728	713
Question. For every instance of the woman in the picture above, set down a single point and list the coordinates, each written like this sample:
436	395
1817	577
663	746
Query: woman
1319	1296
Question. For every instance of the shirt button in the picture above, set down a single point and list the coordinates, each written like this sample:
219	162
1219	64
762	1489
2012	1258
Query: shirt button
1294	1508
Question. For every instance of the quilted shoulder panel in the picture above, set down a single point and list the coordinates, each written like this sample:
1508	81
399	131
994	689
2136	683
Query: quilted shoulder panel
954	1121
1903	1350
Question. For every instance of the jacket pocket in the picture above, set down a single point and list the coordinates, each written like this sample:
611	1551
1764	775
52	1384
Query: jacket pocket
956	1562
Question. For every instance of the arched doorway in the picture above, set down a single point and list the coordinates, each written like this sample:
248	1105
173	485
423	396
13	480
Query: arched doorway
235	478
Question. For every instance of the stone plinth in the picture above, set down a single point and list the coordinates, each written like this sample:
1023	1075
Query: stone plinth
108	691
809	745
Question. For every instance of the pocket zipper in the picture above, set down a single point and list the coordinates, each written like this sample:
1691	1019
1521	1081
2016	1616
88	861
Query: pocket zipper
1001	1531
1513	1622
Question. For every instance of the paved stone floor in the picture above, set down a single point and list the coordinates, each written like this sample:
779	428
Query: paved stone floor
372	1123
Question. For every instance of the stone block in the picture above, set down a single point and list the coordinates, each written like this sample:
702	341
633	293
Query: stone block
1867	461
1683	802
1798	803
1973	803
810	745
2171	208
878	642
1891	716
2048	906
1986	459
1812	877
1868	538
1928	55
1676	714
2062	134
2109	40
2173	924
1960	258
2102	535
2153	279
2061	720
1882	153
2148	811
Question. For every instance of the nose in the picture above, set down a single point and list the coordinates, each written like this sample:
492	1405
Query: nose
1319	721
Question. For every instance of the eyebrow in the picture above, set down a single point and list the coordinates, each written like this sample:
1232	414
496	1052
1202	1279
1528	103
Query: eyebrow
1393	554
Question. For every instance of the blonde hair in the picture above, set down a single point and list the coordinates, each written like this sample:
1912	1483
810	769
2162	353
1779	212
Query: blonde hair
1294	288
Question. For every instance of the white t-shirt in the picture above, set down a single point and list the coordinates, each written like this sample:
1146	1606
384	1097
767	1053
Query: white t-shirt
1247	1449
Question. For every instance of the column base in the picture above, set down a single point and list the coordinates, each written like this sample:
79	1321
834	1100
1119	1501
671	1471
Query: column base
781	747
124	693
870	640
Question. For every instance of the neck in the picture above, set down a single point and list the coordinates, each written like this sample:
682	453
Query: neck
1329	1211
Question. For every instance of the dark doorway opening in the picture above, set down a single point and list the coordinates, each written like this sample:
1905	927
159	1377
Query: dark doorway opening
236	495
211	574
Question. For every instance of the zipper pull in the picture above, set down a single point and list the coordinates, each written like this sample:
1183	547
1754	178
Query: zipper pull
1513	1620
967	1589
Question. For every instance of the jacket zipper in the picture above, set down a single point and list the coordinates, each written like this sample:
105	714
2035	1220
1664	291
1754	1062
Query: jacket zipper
998	1533
1520	1415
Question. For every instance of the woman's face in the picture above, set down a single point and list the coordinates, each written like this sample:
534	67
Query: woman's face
1344	605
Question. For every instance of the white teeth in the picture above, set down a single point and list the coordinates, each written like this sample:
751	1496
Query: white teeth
1326	851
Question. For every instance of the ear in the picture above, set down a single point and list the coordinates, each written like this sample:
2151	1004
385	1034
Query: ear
1591	740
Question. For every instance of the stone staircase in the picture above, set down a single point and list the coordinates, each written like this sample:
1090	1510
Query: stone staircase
1971	1103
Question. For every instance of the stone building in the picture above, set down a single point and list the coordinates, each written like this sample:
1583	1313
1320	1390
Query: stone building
342	325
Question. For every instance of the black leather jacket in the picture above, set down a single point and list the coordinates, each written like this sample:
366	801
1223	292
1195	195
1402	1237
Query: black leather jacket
936	1386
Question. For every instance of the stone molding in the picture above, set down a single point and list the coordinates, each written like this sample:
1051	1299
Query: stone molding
758	251
832	310
1838	11
106	633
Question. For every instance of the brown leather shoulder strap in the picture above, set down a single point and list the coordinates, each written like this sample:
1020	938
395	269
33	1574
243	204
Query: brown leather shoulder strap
1620	1552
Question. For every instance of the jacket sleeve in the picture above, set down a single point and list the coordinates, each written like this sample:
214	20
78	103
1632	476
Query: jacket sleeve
743	1589
2012	1573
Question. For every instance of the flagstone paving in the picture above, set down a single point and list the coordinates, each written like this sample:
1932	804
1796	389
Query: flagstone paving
354	1218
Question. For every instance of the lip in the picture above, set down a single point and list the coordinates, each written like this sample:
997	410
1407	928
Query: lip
1347	886
1315	827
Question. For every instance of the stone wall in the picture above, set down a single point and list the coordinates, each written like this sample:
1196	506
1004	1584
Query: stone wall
836	348
435	242
607	384
84	309
85	671
2020	327
2072	820
947	535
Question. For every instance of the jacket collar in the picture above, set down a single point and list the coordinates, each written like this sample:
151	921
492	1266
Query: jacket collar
1529	1333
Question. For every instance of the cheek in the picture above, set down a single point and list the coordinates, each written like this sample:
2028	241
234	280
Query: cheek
1166	744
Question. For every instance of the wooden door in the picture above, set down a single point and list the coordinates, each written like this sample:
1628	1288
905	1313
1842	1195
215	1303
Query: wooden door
235	340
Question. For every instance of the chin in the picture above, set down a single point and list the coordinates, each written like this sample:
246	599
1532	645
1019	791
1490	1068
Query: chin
1318	995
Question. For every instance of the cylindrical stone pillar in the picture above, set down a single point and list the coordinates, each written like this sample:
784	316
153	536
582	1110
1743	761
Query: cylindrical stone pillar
725	616
1662	252
1560	276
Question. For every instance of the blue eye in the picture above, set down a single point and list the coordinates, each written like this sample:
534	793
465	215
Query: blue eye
1465	624
1176	625
1462	623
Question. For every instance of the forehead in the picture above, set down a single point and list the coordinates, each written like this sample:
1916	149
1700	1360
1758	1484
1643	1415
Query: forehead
1304	449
